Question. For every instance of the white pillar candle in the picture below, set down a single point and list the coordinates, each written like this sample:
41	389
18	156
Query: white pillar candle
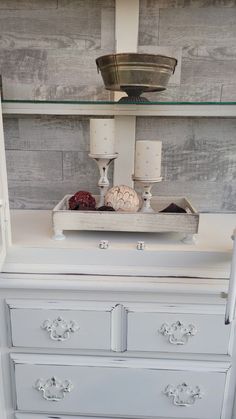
102	136
147	160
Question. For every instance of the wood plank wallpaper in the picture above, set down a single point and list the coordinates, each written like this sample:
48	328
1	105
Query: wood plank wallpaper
48	50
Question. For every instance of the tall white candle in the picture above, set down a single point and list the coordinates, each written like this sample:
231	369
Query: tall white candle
148	159
102	136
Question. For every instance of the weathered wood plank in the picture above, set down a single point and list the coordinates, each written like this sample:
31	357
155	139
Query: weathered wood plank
148	22
189	26
64	219
228	92
193	149
108	29
79	67
78	165
34	165
11	130
206	196
209	53
28	4
191	3
67	91
217	71
201	92
48	133
51	29
23	65
38	195
85	4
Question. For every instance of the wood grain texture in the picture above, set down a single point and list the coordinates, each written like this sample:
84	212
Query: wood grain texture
197	155
217	71
47	133
148	22
228	92
34	165
66	91
50	29
28	4
78	165
197	27
190	3
37	42
64	219
206	196
23	65
107	28
38	195
85	4
193	92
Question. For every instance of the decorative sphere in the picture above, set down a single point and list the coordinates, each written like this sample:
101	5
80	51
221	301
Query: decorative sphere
82	200
122	198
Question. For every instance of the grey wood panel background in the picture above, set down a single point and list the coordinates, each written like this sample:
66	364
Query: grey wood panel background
48	50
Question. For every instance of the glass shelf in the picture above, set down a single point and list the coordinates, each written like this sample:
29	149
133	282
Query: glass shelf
90	102
108	108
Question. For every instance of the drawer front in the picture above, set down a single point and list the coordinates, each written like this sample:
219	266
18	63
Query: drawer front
82	328
178	332
120	387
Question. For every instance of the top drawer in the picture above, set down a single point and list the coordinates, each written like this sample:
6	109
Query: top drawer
183	329
59	324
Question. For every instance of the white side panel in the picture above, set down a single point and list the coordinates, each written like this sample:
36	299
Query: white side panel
5	230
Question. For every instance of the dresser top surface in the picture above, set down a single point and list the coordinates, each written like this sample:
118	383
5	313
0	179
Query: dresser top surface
34	250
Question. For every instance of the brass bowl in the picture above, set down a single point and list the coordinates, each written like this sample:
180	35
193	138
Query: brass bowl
135	73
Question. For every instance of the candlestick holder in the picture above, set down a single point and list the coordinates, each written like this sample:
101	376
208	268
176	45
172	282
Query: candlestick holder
147	185
103	161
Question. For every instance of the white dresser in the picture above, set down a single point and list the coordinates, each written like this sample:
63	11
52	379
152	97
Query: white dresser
112	343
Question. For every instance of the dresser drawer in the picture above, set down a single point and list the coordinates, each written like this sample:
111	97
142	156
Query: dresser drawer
119	387
186	332
60	324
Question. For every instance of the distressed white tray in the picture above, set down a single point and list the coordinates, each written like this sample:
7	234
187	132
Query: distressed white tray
187	223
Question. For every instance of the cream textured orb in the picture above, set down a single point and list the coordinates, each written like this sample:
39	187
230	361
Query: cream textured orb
122	198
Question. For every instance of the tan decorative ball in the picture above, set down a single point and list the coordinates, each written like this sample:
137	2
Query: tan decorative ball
122	198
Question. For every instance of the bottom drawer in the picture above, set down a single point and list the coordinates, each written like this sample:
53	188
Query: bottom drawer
119	387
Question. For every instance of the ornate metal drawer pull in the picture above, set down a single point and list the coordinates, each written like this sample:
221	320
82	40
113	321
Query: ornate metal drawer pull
178	333
103	244
140	245
182	394
59	329
52	389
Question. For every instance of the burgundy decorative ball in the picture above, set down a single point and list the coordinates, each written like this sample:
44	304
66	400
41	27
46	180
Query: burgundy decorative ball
82	200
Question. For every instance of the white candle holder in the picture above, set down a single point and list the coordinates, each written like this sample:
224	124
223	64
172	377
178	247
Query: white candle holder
147	185
103	161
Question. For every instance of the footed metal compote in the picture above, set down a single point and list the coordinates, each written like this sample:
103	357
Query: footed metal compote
135	73
103	161
147	185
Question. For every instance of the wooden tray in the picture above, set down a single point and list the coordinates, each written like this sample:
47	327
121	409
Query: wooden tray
65	219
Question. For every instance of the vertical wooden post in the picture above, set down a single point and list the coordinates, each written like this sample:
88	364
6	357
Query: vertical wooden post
126	33
125	144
